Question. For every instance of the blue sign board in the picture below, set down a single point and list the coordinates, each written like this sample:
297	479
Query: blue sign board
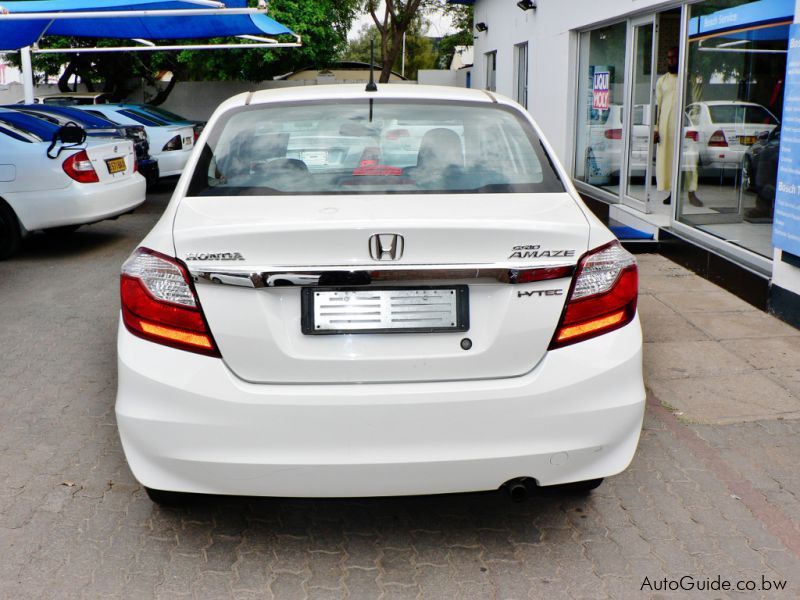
786	221
745	15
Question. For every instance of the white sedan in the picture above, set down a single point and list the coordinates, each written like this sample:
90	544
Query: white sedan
726	129
460	320
170	144
91	182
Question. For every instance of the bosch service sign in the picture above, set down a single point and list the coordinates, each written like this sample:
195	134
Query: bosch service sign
600	90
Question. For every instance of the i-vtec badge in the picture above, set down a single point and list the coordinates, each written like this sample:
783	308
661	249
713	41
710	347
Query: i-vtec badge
530	251
214	256
540	293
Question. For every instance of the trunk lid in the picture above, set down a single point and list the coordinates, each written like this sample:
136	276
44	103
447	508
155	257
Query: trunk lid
259	330
112	160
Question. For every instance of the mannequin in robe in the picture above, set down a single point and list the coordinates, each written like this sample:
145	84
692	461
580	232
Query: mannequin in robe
664	132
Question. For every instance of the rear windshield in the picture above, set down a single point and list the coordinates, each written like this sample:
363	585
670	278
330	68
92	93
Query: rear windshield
359	147
143	118
163	113
741	114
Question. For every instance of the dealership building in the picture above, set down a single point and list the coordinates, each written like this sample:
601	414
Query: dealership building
677	121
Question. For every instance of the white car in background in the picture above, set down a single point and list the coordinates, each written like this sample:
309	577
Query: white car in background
84	184
726	129
170	144
458	322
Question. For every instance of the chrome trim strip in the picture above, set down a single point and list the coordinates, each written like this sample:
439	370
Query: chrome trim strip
368	275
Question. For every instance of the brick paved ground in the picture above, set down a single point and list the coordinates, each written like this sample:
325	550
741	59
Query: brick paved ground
700	499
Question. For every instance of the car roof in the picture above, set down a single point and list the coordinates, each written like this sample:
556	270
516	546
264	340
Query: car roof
37	126
81	116
394	91
75	95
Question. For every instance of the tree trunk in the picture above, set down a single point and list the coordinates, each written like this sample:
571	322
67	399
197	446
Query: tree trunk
391	55
162	96
63	81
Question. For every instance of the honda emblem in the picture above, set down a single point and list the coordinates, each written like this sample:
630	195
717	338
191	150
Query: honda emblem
386	246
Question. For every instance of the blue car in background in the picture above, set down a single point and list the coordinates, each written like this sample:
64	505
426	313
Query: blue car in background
96	126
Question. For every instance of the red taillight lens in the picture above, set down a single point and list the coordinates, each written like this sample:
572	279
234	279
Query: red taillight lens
613	134
692	135
396	134
135	165
603	295
159	303
717	139
79	167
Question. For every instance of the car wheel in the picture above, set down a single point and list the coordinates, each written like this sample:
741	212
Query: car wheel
9	231
165	498
578	488
747	175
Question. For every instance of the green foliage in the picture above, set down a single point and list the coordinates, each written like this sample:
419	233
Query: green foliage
323	25
420	50
462	17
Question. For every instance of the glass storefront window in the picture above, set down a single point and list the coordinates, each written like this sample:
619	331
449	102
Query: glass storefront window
601	87
734	103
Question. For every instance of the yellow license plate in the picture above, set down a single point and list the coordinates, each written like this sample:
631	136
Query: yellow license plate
115	165
747	140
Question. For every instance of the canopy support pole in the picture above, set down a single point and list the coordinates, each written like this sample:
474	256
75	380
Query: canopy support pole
27	73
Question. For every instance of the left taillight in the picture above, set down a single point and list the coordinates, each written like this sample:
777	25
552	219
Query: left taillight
159	303
80	168
602	298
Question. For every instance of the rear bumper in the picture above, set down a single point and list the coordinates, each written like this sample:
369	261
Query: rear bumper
188	424
77	204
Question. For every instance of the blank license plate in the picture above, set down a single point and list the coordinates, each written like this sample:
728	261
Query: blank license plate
115	165
385	310
315	157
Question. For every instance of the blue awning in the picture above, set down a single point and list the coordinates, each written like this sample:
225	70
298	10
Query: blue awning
15	34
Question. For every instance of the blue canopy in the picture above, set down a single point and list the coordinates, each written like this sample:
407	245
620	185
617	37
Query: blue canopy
15	34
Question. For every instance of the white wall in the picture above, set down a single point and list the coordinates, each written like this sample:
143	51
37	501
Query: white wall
437	77
551	47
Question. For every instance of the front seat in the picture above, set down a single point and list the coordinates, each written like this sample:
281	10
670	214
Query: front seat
440	160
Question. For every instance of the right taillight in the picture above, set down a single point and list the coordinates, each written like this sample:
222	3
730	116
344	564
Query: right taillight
602	298
717	139
159	303
692	135
80	168
174	144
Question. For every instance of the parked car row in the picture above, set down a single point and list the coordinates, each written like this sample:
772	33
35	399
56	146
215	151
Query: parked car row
717	136
71	162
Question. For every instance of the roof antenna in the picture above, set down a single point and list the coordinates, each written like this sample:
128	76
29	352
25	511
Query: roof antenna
371	87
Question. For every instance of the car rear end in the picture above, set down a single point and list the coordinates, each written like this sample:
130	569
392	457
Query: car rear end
735	126
101	182
172	148
448	319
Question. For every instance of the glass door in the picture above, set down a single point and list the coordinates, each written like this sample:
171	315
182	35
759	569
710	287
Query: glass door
639	117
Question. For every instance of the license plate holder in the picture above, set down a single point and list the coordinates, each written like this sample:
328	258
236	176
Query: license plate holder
418	309
115	165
